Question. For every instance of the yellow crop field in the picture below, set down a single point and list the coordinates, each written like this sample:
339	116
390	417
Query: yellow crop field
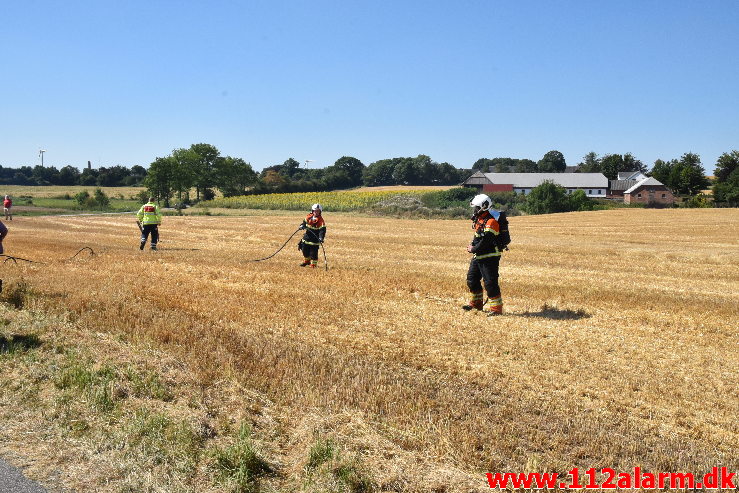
619	346
335	201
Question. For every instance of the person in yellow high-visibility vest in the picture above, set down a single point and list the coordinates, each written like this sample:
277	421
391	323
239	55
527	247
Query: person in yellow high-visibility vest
149	218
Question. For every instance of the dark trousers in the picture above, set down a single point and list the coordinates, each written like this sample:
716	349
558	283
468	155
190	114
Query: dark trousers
152	229
487	271
310	251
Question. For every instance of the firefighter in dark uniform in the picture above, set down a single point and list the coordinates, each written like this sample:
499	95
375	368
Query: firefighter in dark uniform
315	233
485	258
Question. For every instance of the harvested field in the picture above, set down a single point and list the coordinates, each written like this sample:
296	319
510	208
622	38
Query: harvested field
619	346
49	191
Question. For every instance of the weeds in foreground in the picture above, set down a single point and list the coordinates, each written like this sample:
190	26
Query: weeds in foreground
96	385
16	293
327	468
241	465
157	439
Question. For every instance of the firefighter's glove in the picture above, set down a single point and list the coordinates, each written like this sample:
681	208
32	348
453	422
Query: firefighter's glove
301	227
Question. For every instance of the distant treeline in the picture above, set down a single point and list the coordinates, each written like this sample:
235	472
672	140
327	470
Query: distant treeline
114	176
202	167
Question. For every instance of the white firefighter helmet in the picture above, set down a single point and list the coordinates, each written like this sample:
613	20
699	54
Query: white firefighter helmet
316	207
482	201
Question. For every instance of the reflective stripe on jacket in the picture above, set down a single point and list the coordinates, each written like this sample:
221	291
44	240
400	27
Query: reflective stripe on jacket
149	214
486	229
315	229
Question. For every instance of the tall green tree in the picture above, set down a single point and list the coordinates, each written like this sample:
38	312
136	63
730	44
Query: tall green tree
525	166
69	175
424	170
446	174
290	168
203	167
353	168
590	163
552	162
726	164
684	176
233	176
186	165
726	188
661	171
633	164
692	175
379	173
483	164
405	172
503	164
612	164
159	178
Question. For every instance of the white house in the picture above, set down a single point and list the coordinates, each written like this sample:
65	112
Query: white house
595	185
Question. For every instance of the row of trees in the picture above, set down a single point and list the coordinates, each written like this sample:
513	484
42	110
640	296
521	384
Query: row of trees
551	162
114	176
202	167
610	164
726	187
684	176
420	170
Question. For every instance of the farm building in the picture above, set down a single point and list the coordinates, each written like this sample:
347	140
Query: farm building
624	181
649	191
594	184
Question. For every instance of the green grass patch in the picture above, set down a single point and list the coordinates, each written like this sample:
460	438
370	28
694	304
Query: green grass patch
96	385
321	452
156	439
240	465
147	385
327	469
115	205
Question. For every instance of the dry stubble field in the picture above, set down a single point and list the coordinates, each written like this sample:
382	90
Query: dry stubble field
619	346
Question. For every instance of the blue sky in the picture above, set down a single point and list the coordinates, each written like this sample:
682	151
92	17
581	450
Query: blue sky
123	82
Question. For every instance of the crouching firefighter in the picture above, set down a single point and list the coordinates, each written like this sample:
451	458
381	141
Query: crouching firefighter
149	219
315	232
485	252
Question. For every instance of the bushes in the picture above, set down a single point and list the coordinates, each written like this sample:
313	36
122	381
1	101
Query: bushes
547	198
550	197
459	198
98	200
699	201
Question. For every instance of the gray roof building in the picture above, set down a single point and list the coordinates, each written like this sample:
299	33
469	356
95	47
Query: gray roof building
630	175
646	181
531	180
621	185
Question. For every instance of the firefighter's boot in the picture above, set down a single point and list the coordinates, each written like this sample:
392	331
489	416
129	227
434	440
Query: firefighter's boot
475	303
495	306
305	263
141	245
